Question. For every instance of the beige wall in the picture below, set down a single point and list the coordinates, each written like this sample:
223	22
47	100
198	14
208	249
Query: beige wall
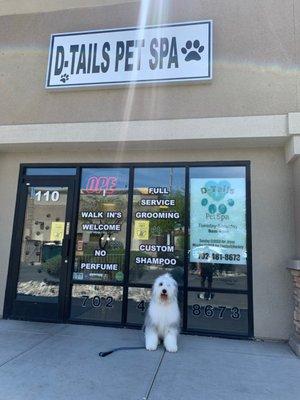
297	46
9	7
272	220
255	69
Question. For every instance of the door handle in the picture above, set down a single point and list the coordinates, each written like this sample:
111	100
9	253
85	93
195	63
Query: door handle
67	242
67	228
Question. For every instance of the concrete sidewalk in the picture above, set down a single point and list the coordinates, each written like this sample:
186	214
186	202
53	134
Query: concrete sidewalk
40	361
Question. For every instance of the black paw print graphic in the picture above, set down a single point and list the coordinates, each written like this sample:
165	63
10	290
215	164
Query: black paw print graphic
192	54
64	78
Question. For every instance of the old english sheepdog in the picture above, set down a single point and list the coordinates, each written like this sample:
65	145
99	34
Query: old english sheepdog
163	316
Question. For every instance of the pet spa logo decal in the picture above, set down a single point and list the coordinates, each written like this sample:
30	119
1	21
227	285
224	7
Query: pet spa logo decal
218	221
166	53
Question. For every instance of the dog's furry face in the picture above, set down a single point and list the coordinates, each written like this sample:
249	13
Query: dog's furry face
164	289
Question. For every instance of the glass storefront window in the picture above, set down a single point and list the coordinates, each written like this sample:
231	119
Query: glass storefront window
218	312
218	250
190	221
138	301
97	303
101	228
158	220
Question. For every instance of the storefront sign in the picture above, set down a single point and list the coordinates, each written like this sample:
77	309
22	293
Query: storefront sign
167	53
218	221
101	184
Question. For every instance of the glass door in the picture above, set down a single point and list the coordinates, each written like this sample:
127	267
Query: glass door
41	250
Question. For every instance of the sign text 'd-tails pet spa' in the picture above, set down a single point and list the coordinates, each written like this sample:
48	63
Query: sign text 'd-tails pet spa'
167	53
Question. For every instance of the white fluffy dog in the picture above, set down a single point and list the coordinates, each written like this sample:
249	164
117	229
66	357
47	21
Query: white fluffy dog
163	316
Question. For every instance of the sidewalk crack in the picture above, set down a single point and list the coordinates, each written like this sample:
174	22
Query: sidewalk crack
26	351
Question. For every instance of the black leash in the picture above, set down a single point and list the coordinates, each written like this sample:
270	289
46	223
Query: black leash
106	353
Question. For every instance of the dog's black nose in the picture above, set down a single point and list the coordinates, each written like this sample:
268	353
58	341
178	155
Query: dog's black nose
164	291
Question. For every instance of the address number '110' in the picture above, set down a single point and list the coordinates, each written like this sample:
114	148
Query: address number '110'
47	196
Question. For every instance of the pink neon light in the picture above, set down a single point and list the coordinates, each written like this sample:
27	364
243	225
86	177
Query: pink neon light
99	184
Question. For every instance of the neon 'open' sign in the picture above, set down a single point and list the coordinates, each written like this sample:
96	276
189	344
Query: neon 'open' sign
101	185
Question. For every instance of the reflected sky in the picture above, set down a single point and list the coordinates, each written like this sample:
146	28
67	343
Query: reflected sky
162	177
218	172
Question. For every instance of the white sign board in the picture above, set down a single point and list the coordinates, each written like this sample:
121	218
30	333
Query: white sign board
167	53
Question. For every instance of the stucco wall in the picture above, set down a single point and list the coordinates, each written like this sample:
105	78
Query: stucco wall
9	7
255	63
272	220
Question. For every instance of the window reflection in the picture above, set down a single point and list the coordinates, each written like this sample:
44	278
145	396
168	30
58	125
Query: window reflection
97	303
221	276
221	312
157	244
138	301
41	250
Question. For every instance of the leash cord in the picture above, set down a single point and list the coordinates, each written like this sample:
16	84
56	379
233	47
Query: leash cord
106	353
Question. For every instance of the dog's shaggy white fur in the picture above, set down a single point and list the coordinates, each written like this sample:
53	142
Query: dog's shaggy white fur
163	316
